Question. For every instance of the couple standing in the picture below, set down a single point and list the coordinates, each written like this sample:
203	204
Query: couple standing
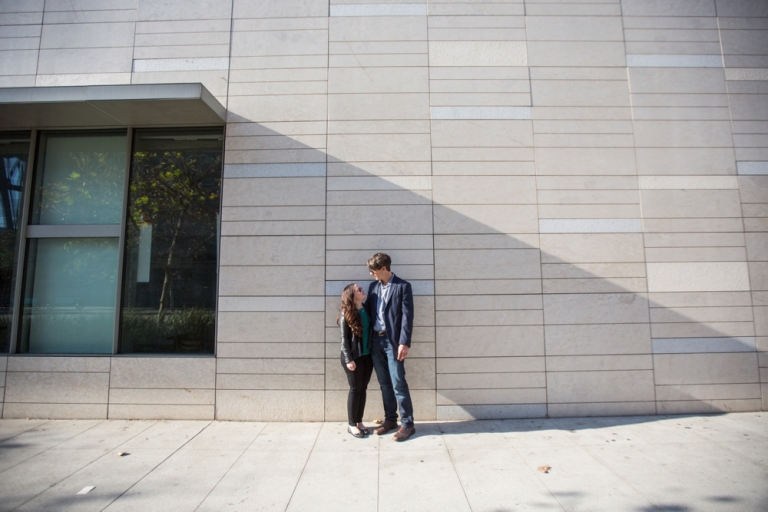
376	333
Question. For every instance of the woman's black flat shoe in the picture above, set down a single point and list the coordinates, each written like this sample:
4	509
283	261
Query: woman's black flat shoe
364	431
359	435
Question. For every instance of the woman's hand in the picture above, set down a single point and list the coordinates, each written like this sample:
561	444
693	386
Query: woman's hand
351	365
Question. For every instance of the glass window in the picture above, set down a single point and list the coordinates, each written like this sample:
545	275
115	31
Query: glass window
14	153
81	180
70	290
171	244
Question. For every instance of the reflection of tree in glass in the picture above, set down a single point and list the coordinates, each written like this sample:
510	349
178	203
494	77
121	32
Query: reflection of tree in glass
175	192
92	188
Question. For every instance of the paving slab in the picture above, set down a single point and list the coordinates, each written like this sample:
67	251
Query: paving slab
640	463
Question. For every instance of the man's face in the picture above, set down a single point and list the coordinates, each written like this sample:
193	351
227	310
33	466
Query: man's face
379	274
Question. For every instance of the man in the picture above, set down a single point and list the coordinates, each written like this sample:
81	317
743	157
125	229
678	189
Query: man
390	306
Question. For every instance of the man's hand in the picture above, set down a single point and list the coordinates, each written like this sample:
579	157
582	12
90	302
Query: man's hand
351	365
402	352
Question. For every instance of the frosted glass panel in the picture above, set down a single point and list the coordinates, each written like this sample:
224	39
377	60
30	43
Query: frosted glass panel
80	180
69	296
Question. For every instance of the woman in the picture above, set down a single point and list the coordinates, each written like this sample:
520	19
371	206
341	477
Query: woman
355	354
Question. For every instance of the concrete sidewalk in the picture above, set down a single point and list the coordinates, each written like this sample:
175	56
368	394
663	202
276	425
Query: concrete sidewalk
630	463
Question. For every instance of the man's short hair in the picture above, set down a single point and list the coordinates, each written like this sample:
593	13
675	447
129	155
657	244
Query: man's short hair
379	261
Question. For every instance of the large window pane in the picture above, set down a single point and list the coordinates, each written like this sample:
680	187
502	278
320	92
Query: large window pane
80	179
169	284
14	152
69	296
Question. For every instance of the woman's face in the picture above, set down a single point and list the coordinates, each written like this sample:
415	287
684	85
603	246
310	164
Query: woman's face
359	294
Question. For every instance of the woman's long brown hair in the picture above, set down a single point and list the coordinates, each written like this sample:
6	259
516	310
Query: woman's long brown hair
350	312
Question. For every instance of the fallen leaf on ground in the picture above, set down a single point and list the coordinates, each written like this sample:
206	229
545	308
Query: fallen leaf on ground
378	421
544	468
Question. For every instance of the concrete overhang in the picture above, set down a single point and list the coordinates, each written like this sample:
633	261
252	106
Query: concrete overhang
101	106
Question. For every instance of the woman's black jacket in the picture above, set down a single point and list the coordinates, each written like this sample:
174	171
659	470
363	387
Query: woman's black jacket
351	343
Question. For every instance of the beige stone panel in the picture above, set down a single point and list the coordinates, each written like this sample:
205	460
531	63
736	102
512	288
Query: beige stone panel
476	219
364	198
418	184
377	28
269	327
280	128
274	141
592	248
582	113
487	241
480	99
359	272
448	365
608	271
688	134
483	168
279	42
270	366
378	80
359	257
160	412
592	93
378	47
761	320
484	190
755	225
684	227
487	264
701	314
697	276
162	396
348	107
277	382
215	81
57	364
700	299
489	318
707	406
471	154
601	409
55	411
272	250
708	392
487	286
379	60
579	140
277	156
163	372
588	197
376	126
278	62
477	85
722	368
563	126
692	254
582	211
681	113
677	80
491	396
626	308
374	147
764	389
401	219
294	350
271	281
754	189
690	203
87	35
555	53
680	100
569	28
585	161
704	239
268	228
486	302
269	405
481	133
506	341
182	51
758	275
292	107
760	298
584	363
273	192
683	161
56	388
477	53
757	246
600	386
598	339
467	381
594	285
702	329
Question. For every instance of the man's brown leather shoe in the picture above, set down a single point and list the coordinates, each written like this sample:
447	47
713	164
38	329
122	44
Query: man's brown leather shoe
385	427
404	433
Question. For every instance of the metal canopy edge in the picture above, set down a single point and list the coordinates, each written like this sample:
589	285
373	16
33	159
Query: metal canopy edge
92	106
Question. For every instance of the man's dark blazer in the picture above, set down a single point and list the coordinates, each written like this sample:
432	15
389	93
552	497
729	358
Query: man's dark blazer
398	312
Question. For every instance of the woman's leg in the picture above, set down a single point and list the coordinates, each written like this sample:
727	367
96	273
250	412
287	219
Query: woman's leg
365	369
352	398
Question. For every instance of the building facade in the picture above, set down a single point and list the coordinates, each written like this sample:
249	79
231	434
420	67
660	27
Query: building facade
577	191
